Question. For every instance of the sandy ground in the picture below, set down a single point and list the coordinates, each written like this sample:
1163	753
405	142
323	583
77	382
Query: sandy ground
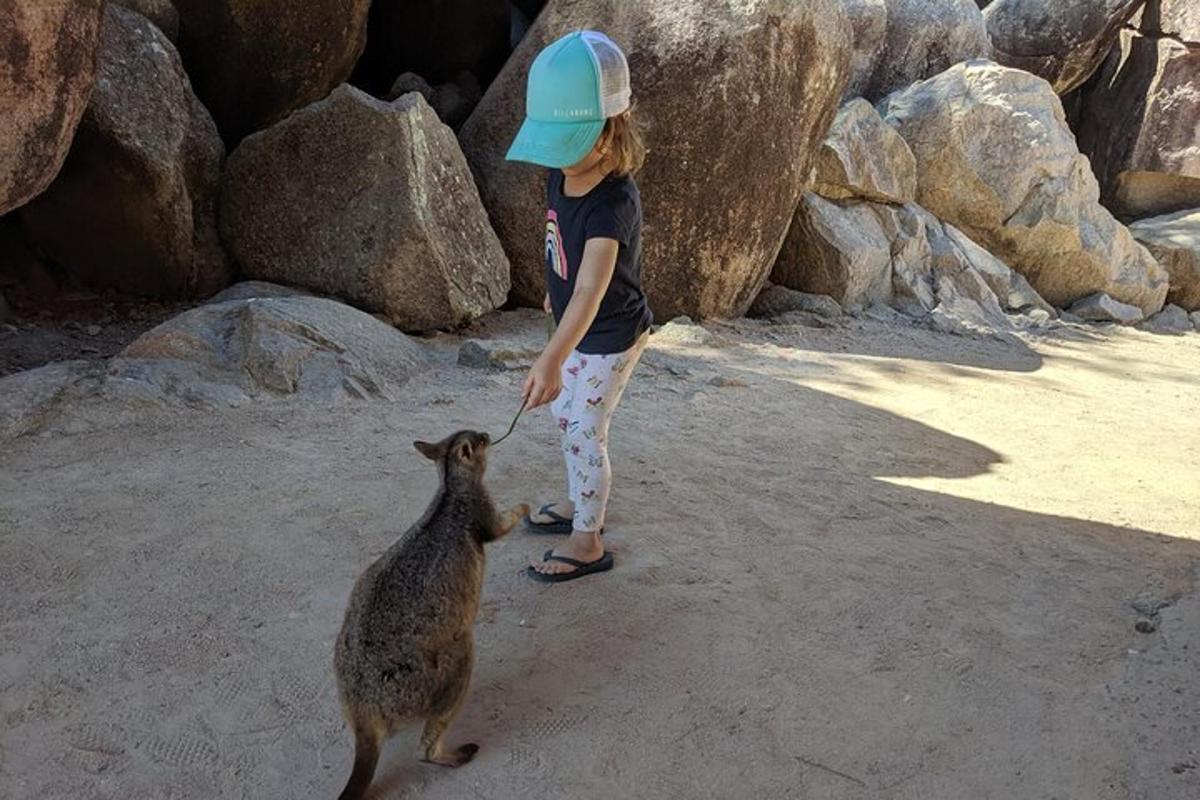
893	564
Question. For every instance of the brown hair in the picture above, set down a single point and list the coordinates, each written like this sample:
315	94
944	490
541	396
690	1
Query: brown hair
622	144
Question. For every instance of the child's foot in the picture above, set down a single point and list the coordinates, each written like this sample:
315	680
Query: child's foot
563	510
582	546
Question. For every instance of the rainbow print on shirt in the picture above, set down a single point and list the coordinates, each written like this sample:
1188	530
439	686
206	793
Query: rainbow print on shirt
555	254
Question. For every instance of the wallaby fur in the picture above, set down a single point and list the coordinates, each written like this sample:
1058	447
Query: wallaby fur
406	647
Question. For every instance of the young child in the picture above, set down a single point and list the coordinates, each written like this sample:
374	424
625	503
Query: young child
578	123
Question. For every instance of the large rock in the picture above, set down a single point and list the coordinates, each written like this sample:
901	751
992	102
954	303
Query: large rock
1100	307
840	250
717	192
410	82
161	12
437	39
219	355
955	254
934	275
1063	41
868	254
925	37
1140	117
1174	239
966	305
855	252
1176	18
868	27
308	346
1010	287
134	207
863	157
31	399
453	101
47	70
253	61
775	301
912	232
1171	320
371	202
995	158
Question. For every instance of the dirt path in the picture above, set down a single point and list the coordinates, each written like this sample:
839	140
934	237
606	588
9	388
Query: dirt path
894	564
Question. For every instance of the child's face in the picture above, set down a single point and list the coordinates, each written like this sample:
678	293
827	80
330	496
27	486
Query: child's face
591	160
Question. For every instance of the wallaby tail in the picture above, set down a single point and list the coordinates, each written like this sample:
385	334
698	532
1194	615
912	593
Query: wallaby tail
367	740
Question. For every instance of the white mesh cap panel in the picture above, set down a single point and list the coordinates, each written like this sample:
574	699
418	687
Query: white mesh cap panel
613	70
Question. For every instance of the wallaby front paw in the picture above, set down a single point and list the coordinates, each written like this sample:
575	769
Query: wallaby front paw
510	519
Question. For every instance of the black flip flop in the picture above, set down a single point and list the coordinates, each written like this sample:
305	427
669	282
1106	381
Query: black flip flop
558	523
601	564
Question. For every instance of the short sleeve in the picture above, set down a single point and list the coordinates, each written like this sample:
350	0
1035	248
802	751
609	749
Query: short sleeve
615	218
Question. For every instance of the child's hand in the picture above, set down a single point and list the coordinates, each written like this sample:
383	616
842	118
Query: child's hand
543	383
546	304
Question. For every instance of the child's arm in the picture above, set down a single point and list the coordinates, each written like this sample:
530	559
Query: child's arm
544	381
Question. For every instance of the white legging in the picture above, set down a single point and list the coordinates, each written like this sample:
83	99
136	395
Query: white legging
592	387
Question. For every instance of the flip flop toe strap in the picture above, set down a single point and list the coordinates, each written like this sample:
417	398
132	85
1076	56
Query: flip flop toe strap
571	562
556	517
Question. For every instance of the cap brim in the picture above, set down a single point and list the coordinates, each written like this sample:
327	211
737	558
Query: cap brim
554	144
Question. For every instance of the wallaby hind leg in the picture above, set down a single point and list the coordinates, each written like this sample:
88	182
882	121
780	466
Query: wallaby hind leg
434	748
368	736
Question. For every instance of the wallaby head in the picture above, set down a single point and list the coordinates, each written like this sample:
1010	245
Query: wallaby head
461	455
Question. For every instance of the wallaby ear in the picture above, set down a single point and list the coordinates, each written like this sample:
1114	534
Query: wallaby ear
431	451
465	451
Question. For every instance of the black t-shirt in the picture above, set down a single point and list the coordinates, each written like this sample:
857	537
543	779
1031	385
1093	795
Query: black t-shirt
611	210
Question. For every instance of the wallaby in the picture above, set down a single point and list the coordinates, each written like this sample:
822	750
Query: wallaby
406	647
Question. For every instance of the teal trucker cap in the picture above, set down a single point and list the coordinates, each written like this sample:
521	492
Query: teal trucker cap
575	84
